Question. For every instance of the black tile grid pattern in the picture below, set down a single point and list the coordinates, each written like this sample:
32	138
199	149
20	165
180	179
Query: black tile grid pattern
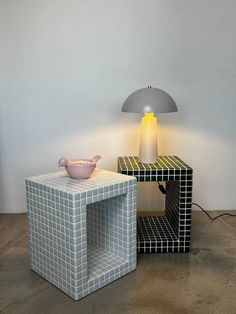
172	232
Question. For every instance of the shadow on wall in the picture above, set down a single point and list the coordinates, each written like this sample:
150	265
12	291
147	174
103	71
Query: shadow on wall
2	185
2	197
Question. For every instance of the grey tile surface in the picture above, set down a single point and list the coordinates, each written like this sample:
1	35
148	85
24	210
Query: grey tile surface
82	232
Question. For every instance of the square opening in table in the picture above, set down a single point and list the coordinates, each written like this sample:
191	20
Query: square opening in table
107	225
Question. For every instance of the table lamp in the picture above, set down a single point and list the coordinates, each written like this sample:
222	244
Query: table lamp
148	101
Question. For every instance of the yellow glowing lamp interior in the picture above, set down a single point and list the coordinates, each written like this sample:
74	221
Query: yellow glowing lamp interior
149	115
148	139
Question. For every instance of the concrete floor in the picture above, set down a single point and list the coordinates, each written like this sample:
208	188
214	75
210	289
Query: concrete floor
203	281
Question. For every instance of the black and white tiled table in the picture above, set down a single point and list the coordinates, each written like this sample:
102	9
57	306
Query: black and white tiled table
171	232
82	232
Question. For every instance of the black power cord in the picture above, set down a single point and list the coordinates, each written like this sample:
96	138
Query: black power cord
213	218
161	188
163	191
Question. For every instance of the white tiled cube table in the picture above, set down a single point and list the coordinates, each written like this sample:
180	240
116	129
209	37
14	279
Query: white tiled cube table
82	232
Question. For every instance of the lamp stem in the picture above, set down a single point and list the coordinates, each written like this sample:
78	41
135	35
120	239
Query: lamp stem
148	139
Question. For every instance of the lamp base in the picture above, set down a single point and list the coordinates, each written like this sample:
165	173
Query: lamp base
149	161
148	139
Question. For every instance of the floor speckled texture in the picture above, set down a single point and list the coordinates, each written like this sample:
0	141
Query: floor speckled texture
203	281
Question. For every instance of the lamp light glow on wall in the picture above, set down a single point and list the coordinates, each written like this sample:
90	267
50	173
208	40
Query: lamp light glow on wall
149	101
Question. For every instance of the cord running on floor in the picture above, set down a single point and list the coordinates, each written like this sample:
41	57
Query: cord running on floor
213	218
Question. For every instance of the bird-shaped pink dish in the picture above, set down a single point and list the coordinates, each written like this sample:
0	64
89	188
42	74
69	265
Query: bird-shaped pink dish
79	168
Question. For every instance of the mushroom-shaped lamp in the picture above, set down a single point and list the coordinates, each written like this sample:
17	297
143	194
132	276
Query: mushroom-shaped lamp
149	101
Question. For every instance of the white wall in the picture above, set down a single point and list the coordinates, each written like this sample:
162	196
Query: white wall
66	66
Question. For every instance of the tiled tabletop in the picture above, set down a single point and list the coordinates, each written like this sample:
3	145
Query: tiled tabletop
60	181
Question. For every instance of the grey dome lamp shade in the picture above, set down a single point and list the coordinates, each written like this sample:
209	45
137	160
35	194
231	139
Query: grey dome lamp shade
149	101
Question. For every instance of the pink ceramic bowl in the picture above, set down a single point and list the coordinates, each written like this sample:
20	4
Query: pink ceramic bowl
79	168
